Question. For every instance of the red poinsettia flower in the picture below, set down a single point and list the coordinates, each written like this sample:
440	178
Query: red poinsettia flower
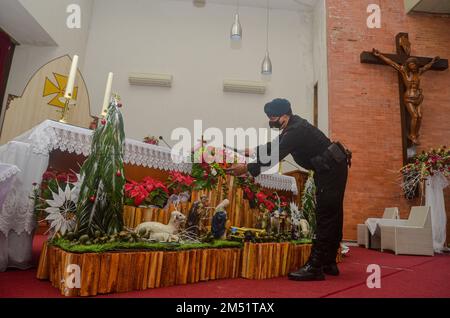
62	177
48	175
261	196
181	179
188	180
249	193
72	177
152	184
269	205
176	176
136	191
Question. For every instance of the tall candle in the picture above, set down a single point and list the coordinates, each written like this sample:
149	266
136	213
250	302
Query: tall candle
107	98
71	80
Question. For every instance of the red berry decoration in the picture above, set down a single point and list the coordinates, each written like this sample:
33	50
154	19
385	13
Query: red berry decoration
92	199
119	174
103	121
119	105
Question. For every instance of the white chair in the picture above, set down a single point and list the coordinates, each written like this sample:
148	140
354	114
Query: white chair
363	234
413	237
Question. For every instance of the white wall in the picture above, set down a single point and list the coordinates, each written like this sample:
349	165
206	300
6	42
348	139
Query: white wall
320	58
193	45
52	16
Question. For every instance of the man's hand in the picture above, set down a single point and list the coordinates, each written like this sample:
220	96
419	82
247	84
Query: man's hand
237	169
249	152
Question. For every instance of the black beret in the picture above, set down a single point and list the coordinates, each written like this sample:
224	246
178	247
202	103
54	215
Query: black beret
278	107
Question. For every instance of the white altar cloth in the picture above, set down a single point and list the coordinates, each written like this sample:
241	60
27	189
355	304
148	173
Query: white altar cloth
16	224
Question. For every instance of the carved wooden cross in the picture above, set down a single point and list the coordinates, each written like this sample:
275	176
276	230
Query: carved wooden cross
403	53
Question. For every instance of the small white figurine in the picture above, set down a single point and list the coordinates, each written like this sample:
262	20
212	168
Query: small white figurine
162	232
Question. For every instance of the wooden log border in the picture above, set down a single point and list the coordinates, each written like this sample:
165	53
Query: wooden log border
118	272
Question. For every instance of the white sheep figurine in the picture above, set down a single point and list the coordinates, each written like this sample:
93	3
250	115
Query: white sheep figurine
162	232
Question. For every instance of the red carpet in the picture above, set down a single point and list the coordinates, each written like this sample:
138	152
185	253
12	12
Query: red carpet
401	276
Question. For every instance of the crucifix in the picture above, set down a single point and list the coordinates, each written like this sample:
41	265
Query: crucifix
410	69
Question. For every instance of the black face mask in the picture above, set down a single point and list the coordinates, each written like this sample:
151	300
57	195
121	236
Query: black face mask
275	124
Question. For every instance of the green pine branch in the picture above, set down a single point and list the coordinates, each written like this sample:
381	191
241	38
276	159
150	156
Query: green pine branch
100	205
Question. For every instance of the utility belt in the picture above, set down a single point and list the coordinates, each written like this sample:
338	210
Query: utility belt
335	153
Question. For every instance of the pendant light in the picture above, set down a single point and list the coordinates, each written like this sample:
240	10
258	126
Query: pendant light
266	68
236	28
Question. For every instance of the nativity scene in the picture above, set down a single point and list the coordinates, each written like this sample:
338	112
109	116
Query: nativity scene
226	142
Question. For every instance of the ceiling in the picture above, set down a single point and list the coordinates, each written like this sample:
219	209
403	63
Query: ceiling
21	25
429	6
292	5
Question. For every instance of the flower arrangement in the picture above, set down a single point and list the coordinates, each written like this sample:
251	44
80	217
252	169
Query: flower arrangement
52	179
428	163
206	169
272	201
146	193
152	140
179	182
422	166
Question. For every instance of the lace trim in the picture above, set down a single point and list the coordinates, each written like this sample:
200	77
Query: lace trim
8	172
278	182
52	135
17	214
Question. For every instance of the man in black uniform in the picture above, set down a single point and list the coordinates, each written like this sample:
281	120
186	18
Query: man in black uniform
312	150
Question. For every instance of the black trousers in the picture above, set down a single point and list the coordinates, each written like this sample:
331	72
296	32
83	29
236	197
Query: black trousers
330	185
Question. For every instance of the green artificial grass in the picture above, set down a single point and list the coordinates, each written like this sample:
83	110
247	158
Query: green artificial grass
146	246
120	246
302	242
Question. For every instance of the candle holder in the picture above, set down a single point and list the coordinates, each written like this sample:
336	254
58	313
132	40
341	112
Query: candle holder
65	110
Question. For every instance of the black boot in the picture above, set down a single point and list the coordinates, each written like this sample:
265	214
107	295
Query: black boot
307	273
331	269
312	270
329	266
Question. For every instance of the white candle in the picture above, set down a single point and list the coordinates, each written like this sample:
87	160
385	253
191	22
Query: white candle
107	98
71	80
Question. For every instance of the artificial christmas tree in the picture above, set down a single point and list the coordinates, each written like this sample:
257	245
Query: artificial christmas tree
100	205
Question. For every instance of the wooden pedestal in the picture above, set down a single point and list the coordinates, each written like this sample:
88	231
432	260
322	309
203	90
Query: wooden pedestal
118	272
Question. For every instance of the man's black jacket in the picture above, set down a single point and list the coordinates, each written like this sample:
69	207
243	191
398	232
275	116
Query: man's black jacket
300	139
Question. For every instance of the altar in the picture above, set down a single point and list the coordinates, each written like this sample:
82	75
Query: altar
66	147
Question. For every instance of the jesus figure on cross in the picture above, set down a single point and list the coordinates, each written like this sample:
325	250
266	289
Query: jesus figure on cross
413	97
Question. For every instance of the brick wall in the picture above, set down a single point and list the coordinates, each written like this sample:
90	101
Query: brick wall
364	104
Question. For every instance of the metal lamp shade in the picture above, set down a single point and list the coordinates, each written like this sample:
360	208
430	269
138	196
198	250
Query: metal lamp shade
266	68
236	29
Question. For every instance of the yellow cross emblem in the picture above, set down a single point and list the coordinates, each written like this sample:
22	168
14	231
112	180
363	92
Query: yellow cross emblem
59	89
